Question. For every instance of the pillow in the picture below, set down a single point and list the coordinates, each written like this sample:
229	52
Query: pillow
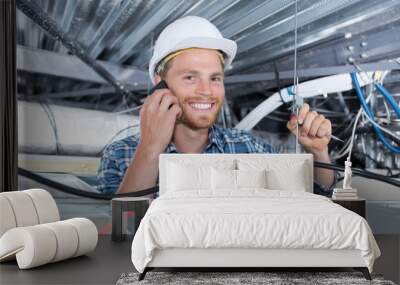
223	179
282	172
251	178
236	179
181	177
278	180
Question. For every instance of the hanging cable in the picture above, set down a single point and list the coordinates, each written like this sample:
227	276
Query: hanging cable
295	106
371	115
389	98
75	191
53	124
154	190
359	172
116	135
278	82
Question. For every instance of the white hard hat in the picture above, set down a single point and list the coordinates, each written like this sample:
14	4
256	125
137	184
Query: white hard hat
190	32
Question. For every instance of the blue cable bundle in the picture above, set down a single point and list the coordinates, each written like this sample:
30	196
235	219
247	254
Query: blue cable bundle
370	114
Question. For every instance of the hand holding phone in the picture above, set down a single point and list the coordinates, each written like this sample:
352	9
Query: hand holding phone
158	117
161	85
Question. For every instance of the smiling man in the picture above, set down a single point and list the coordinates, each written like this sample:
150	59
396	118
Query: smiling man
190	55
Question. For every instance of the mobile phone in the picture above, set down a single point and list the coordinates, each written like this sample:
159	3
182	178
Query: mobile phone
161	85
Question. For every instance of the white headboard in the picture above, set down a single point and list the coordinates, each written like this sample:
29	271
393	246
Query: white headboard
279	162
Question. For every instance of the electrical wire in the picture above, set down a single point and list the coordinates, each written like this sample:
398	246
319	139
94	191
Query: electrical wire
75	191
128	110
365	154
349	144
354	130
295	107
154	190
359	172
346	125
347	148
295	78
278	82
116	135
389	98
388	116
52	121
380	127
371	115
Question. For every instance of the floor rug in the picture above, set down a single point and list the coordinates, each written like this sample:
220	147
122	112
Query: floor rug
243	278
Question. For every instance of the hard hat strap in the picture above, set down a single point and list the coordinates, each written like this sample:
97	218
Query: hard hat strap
160	67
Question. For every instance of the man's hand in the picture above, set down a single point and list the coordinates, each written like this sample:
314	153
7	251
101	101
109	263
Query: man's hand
314	130
157	120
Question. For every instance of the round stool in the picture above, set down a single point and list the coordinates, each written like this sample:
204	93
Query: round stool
120	205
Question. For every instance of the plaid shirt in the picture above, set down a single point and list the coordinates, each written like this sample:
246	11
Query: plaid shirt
118	155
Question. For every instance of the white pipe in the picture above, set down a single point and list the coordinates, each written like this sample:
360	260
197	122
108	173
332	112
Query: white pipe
80	131
321	86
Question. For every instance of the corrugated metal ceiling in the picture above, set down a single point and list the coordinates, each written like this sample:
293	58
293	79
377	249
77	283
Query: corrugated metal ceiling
122	32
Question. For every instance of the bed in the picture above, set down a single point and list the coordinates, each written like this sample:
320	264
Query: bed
247	211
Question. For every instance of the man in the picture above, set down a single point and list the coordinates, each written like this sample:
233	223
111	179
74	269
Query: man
190	55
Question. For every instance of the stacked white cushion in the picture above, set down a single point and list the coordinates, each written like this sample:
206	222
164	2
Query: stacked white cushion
31	232
32	246
46	207
87	234
7	218
27	208
67	240
37	245
23	208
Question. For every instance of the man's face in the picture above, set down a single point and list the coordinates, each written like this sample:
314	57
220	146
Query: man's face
196	77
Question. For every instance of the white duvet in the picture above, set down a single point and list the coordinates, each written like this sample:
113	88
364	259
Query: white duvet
253	218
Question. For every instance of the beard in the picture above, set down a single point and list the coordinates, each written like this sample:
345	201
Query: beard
199	121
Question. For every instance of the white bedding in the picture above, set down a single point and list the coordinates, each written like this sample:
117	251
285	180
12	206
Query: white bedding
252	218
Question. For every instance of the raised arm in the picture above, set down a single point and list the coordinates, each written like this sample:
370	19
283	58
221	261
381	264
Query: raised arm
314	135
157	121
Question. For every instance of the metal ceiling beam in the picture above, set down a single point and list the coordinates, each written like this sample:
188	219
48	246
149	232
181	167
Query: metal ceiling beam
196	7
79	93
311	72
126	47
316	11
259	13
68	66
349	30
69	103
217	9
102	11
114	20
207	9
66	18
36	14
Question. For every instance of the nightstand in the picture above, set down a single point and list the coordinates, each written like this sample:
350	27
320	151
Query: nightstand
120	205
356	205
